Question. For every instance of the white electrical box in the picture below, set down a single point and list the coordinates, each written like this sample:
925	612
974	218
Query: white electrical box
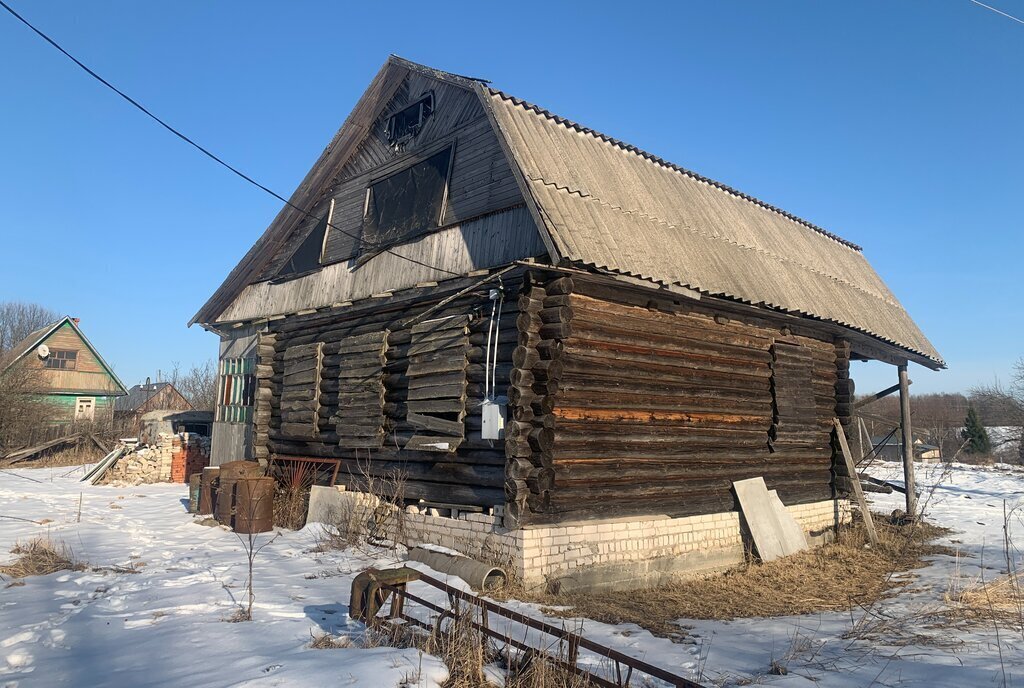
492	412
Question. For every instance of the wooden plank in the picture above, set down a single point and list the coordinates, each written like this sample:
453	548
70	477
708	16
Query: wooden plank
433	444
435	424
440	324
855	481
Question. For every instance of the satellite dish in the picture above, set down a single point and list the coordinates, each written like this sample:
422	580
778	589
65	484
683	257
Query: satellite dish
43	351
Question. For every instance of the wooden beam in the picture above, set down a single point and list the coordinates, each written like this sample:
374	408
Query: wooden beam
908	442
879	395
858	491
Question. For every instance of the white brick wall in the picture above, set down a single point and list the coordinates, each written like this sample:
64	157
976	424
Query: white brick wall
536	554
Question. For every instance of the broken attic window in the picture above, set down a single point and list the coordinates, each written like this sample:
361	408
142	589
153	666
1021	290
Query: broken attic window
406	204
405	124
306	257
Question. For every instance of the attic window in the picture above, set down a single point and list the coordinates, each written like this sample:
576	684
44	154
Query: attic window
308	255
405	124
61	359
407	204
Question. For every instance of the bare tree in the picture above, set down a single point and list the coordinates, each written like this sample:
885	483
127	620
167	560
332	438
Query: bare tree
1006	404
19	319
23	413
198	384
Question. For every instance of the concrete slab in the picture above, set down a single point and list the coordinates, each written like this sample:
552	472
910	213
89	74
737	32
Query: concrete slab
765	522
327	505
793	538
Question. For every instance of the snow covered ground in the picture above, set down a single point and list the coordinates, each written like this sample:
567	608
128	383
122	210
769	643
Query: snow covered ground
164	625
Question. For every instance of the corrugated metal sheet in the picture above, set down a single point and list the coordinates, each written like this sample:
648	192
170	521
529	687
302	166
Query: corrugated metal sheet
610	205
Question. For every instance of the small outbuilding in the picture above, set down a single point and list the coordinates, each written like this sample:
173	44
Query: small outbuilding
567	348
151	396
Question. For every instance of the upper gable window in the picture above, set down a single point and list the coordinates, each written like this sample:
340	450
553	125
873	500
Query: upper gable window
408	203
405	124
61	359
308	255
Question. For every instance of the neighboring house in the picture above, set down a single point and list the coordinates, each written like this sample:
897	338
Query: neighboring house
72	376
891	449
151	396
523	316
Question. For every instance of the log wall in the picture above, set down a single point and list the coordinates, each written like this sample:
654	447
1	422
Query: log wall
625	410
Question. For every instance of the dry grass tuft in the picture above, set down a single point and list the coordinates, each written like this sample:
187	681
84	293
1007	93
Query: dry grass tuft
290	506
326	641
240	614
40	556
1000	600
835	577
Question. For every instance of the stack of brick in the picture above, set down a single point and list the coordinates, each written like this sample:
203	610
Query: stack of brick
172	459
190	453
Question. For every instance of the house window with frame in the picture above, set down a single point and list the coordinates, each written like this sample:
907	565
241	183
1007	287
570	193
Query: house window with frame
407	204
406	123
61	359
237	390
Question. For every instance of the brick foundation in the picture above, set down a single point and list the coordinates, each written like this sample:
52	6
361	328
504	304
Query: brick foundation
618	553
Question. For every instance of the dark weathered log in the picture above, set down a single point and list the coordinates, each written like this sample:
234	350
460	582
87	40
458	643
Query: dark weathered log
561	285
556	314
521	378
557	330
525	357
548	370
550	349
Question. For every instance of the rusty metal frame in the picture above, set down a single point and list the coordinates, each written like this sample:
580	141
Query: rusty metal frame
572	642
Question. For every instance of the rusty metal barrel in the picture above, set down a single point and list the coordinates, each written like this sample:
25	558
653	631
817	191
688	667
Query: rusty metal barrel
224	509
195	482
208	490
254	505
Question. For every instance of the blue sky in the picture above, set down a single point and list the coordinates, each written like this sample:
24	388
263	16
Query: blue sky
896	125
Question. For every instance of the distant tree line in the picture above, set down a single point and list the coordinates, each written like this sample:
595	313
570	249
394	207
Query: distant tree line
942	419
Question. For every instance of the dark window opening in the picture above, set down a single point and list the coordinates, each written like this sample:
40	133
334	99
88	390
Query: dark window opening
406	204
306	257
61	359
405	124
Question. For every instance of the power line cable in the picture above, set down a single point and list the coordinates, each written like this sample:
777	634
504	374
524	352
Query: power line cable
997	11
200	148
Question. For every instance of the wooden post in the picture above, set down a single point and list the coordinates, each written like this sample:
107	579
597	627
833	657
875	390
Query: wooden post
855	479
908	442
865	438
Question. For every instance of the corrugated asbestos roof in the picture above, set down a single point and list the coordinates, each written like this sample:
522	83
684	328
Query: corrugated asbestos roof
610	205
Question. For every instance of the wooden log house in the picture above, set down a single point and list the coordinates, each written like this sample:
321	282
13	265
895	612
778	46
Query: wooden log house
648	335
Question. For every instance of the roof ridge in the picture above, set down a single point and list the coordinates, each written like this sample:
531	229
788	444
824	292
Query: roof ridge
568	123
746	247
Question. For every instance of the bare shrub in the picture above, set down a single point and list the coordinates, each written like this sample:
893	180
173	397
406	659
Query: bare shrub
40	556
253	544
24	415
374	515
291	501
